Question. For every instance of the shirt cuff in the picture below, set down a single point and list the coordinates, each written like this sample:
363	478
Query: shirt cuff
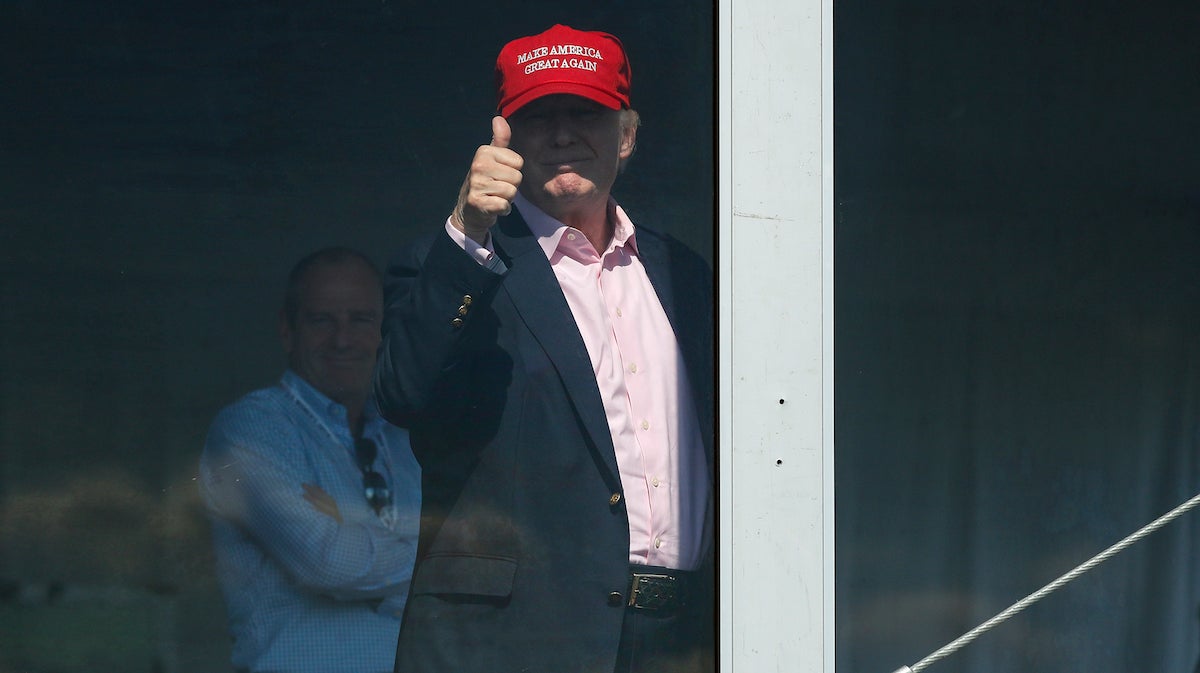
484	254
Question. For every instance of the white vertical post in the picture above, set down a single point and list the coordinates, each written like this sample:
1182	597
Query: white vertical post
775	264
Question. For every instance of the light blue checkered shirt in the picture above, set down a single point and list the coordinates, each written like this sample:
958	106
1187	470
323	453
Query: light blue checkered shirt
304	592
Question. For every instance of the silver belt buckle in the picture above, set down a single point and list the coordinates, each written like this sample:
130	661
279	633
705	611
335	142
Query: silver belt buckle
651	591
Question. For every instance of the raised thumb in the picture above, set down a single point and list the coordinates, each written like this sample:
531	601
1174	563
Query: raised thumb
501	133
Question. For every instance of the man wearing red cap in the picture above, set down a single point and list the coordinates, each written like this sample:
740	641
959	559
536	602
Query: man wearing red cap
553	363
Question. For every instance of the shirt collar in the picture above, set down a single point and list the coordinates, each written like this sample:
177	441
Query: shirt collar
330	411
549	231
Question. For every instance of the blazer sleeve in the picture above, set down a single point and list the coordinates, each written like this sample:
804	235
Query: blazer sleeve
437	306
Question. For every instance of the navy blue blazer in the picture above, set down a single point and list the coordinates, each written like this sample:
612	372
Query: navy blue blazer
524	534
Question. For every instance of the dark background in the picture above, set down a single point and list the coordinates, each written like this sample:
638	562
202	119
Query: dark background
1017	288
162	166
1017	343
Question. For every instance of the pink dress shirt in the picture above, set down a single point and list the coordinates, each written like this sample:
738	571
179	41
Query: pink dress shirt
643	384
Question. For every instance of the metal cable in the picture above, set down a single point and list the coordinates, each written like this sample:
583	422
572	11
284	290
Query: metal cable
1041	593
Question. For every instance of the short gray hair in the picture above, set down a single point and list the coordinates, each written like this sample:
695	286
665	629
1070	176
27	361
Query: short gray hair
330	256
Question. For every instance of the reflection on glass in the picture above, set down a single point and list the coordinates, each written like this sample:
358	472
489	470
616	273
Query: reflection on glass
164	170
1016	319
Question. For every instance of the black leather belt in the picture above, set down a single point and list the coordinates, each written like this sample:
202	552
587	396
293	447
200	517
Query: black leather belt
659	589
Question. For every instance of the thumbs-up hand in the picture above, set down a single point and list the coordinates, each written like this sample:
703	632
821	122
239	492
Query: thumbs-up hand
490	185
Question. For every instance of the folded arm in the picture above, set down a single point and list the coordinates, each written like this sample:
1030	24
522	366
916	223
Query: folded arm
261	482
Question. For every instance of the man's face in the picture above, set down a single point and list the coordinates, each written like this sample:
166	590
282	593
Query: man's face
333	340
572	148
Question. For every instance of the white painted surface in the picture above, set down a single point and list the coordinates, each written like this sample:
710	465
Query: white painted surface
775	264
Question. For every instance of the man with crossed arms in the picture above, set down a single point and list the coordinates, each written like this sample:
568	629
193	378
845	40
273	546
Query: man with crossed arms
313	497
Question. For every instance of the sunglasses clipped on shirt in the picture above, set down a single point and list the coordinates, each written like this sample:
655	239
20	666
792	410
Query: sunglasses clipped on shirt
375	487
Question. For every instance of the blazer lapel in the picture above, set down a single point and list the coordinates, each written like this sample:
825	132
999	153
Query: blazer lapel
533	289
654	260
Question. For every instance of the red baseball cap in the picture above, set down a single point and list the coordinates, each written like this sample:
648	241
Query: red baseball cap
590	64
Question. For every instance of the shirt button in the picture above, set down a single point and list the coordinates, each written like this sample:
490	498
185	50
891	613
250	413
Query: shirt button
633	368
616	497
570	237
457	322
615	599
657	542
655	482
645	425
462	310
466	300
618	313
